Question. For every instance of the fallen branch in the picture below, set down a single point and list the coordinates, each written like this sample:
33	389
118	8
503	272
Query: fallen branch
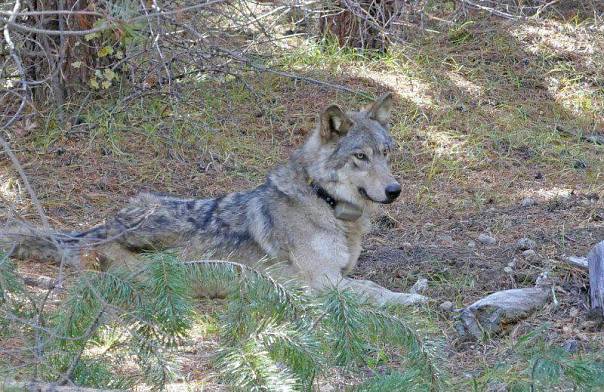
580	262
108	25
595	261
492	10
240	58
491	314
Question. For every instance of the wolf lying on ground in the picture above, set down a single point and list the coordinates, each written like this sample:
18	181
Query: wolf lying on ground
310	214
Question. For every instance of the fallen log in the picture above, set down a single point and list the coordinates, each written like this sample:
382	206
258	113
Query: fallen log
595	260
491	314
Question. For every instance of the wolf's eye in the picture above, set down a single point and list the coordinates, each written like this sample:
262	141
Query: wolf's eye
360	156
385	152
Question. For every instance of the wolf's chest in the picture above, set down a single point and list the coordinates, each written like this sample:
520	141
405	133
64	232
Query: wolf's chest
352	236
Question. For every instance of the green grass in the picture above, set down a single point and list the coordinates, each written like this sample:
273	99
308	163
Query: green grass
327	54
531	363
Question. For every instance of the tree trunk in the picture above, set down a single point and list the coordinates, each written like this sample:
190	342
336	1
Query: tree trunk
365	24
52	57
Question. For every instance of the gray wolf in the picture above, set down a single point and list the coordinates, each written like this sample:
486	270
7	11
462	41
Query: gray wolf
309	215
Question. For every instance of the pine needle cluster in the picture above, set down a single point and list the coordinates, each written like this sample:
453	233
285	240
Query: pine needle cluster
274	336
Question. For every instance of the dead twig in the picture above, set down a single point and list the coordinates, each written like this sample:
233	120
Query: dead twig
492	10
109	24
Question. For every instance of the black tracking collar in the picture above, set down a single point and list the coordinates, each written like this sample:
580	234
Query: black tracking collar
323	194
342	210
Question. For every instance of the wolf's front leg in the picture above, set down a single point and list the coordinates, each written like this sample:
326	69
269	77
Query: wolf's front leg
368	289
382	295
320	260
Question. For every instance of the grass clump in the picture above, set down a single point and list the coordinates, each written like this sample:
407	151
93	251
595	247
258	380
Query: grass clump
535	364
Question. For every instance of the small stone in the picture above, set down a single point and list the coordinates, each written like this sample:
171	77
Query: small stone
486	239
529	254
512	263
525	244
543	280
447	306
497	386
471	244
528	202
577	261
475	373
571	346
420	286
508	270
428	226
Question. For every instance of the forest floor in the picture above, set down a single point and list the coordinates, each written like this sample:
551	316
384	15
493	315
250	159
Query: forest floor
478	113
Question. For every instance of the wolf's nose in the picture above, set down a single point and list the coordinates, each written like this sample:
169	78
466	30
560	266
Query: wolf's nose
392	191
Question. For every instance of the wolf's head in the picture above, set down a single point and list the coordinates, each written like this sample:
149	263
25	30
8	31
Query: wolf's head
348	154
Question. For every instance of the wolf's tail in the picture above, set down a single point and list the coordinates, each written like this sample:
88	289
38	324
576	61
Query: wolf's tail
147	222
26	242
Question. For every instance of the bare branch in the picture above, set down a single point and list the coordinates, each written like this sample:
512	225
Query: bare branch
110	24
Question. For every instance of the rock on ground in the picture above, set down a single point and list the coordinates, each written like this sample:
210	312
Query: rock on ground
571	346
420	286
447	306
577	261
486	239
529	254
528	202
525	244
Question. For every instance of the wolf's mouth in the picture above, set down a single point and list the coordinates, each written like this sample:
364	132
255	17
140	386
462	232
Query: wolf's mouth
363	193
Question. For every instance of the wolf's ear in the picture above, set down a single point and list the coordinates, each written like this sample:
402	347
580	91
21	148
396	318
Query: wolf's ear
380	110
334	123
